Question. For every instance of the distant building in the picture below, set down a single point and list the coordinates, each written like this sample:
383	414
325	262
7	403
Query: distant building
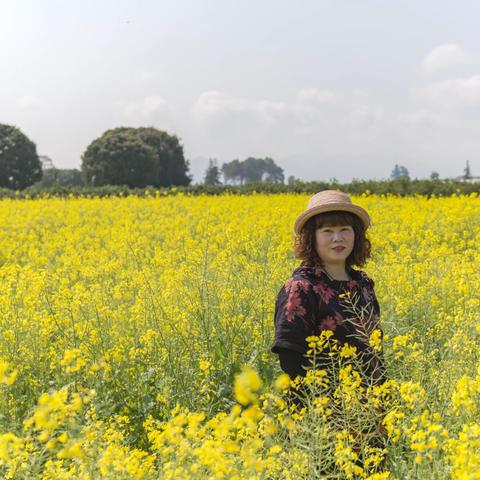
468	180
467	175
46	162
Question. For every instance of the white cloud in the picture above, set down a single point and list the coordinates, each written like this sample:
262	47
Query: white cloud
454	92
310	106
227	127
447	57
147	107
324	123
324	133
217	106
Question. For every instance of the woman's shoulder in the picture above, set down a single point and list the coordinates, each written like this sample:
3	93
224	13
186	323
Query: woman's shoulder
306	272
362	277
302	279
307	276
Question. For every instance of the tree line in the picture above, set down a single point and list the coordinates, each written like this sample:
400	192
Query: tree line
239	172
138	158
135	157
401	187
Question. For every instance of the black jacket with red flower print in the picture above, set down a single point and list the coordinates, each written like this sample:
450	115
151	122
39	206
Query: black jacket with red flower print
310	302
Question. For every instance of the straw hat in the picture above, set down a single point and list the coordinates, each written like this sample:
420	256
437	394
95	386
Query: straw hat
329	201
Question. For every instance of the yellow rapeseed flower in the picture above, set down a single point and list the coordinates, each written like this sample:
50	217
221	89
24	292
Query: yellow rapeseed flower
246	384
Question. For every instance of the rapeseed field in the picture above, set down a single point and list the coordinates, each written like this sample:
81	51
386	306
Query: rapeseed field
135	342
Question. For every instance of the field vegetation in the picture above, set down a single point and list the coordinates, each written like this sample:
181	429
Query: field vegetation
135	342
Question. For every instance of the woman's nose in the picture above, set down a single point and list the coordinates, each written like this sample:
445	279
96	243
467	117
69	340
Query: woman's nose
337	235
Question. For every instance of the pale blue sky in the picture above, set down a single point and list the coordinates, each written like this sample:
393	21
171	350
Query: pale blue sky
327	88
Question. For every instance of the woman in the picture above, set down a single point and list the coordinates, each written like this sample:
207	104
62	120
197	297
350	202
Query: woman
329	239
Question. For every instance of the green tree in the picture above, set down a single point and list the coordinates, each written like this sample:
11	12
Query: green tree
399	172
171	167
47	163
252	170
119	157
273	172
136	157
291	180
20	165
61	176
233	171
212	174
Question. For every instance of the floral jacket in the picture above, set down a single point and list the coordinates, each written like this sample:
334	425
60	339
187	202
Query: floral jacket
310	302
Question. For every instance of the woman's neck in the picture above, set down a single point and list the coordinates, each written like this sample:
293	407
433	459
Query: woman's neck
336	271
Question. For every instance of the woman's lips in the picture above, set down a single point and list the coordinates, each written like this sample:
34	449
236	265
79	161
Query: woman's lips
338	249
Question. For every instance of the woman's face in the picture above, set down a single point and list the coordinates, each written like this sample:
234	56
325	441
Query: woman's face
334	243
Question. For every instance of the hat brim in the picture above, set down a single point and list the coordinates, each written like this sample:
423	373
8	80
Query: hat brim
331	207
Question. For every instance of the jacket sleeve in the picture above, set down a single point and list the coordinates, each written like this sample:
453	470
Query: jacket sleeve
369	289
376	305
375	361
295	312
293	363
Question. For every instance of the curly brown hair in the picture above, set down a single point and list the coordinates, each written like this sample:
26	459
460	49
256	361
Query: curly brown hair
304	243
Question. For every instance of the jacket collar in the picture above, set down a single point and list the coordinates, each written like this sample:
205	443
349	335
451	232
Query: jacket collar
317	273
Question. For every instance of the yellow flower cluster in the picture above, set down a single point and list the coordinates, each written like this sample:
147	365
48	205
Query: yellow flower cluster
347	458
246	385
72	360
466	395
464	453
55	411
7	375
426	435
